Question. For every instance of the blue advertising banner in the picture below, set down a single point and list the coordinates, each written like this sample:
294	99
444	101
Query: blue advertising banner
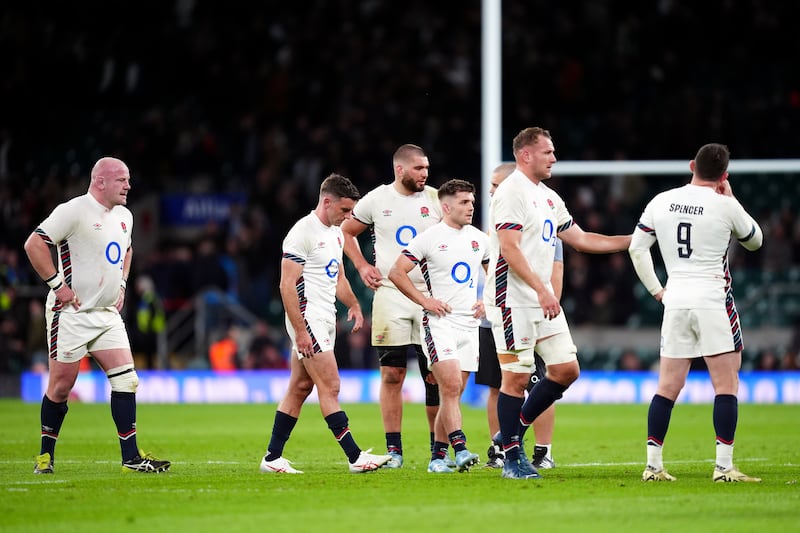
362	386
198	209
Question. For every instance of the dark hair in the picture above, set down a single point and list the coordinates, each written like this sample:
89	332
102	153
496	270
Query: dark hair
407	151
451	187
527	137
339	186
711	161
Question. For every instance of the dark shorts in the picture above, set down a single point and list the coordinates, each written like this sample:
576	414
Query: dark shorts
398	356
489	368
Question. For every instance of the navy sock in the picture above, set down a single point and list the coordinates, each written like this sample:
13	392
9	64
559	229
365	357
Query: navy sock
123	411
726	415
394	443
433	442
337	422
542	396
51	416
281	430
458	440
658	420
439	450
508	408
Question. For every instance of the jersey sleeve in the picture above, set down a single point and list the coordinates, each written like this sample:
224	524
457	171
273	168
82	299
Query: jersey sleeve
563	217
59	225
745	228
417	248
642	240
365	208
483	242
509	209
295	245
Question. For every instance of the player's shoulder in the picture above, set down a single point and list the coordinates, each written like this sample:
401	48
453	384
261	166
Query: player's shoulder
303	225
123	212
550	193
431	192
475	233
76	207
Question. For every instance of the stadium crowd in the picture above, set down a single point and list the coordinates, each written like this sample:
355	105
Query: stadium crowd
204	97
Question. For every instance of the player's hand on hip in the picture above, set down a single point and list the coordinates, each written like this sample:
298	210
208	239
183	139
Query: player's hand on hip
436	307
67	297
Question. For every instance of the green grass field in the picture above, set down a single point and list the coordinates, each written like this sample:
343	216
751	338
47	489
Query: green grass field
214	483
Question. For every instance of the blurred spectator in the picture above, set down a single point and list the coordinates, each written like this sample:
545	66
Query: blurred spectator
36	338
264	352
767	360
146	321
223	355
790	360
356	350
12	347
630	360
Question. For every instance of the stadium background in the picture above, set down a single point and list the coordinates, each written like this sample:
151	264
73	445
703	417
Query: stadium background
229	116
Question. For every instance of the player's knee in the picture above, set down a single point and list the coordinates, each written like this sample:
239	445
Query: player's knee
514	384
123	379
302	387
58	392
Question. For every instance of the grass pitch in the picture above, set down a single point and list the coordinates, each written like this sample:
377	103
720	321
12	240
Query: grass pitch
214	483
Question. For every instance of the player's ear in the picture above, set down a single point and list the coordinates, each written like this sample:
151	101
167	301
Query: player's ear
691	166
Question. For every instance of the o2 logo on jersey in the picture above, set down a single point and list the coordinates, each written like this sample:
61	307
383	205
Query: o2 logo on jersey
404	235
461	273
548	231
332	268
113	252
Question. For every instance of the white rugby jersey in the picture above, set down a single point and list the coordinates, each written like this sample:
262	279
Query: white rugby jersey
540	214
693	226
319	249
450	260
395	219
91	243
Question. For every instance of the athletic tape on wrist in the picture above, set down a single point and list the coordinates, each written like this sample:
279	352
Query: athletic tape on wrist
54	282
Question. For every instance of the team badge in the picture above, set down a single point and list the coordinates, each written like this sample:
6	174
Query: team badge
443	247
550	203
424	211
386	212
97	226
475	246
124	227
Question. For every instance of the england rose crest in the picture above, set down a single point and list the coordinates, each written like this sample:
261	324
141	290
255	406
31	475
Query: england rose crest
424	211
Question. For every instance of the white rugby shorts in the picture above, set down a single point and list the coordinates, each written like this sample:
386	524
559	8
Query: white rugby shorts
690	333
72	335
322	331
396	320
444	340
517	333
